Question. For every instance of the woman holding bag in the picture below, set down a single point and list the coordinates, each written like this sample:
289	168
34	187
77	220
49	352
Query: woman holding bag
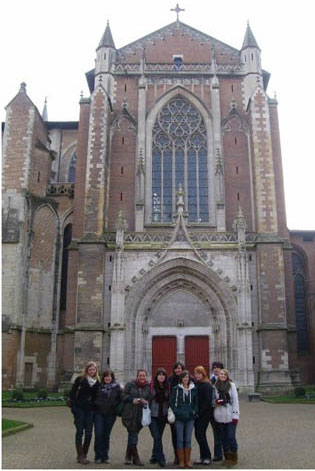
159	407
135	396
184	402
226	413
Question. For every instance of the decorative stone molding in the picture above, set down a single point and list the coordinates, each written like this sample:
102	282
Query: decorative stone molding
60	189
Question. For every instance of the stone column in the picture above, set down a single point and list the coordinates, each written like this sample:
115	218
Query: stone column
141	152
117	324
245	374
217	147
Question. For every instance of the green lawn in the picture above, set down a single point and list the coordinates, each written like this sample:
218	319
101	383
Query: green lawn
10	426
32	400
290	398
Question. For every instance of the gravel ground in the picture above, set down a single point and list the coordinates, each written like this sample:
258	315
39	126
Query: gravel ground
270	436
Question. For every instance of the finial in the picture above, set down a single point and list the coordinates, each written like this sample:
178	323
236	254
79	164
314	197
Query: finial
177	9
275	95
247	22
81	94
23	87
107	22
45	113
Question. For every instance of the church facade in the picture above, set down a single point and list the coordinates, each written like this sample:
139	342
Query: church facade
154	229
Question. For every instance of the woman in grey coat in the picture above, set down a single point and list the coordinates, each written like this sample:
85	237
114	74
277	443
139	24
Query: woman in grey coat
136	395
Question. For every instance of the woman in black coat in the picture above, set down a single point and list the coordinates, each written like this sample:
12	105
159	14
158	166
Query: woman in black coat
82	397
205	414
136	395
107	399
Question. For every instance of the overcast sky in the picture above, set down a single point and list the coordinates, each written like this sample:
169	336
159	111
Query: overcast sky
51	44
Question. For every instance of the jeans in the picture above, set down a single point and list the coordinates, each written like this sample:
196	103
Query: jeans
103	428
133	438
157	427
201	425
83	421
183	432
174	438
228	434
217	439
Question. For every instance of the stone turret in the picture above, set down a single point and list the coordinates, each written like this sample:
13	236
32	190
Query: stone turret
105	52
250	56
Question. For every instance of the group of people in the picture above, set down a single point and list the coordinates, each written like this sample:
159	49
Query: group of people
183	401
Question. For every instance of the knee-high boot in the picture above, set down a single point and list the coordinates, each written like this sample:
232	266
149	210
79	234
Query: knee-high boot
181	458
136	459
187	453
128	457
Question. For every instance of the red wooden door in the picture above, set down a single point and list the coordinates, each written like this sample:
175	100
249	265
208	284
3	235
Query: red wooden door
163	353
197	352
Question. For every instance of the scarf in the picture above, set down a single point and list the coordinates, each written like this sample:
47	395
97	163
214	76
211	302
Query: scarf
106	389
141	385
223	388
91	381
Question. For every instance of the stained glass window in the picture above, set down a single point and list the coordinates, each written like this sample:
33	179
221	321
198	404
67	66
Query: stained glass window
179	156
300	302
71	172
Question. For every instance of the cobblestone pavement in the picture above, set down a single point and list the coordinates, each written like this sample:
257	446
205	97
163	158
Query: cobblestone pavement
269	436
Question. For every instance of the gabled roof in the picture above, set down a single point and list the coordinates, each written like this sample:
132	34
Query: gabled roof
170	29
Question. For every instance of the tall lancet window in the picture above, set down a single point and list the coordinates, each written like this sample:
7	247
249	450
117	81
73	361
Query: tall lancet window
300	302
179	155
71	172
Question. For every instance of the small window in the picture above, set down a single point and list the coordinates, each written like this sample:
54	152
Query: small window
238	196
38	177
125	87
232	88
121	196
122	140
104	55
121	170
235	141
178	62
236	170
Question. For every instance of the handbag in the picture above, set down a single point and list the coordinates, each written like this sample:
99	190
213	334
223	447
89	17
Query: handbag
170	416
146	416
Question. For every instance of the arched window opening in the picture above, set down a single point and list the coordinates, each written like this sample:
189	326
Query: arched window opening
71	172
67	237
300	302
179	156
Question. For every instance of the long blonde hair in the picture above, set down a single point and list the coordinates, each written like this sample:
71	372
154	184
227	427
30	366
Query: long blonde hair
87	366
202	371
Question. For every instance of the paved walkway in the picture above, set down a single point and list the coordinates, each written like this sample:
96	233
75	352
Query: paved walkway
269	436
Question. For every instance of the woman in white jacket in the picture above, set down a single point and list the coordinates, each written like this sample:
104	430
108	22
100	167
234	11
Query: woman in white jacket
226	413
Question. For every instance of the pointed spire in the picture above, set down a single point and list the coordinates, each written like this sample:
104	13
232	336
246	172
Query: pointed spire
107	38
45	112
249	39
22	88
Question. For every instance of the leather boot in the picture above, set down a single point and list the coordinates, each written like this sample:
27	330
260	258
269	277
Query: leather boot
79	452
181	457
85	450
128	457
187	453
227	459
233	458
136	460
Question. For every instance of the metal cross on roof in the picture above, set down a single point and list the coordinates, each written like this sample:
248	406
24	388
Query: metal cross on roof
177	9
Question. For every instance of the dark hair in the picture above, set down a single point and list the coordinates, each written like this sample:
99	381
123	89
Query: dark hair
110	373
141	369
178	363
156	383
182	375
217	364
